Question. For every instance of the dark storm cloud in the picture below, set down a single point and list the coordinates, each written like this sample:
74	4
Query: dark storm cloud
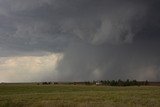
29	25
100	39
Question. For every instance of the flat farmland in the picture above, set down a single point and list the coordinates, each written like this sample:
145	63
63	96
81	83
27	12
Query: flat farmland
33	95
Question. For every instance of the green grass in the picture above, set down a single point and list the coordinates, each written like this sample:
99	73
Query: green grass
31	95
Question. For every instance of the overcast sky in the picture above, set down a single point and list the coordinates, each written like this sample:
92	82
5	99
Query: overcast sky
79	40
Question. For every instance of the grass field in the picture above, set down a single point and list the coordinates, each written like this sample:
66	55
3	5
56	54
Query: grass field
32	95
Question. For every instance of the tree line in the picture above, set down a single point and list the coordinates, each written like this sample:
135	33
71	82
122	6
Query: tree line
122	82
103	82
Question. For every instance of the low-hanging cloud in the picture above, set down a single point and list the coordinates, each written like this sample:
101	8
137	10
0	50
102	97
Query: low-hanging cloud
86	62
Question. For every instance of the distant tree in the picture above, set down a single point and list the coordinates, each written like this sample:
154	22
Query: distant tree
113	83
146	82
120	83
94	82
46	83
135	82
87	83
127	83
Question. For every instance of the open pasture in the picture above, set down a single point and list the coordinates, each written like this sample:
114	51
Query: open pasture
33	95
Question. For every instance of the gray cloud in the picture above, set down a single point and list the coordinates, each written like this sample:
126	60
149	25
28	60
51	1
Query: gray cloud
85	62
105	39
30	23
